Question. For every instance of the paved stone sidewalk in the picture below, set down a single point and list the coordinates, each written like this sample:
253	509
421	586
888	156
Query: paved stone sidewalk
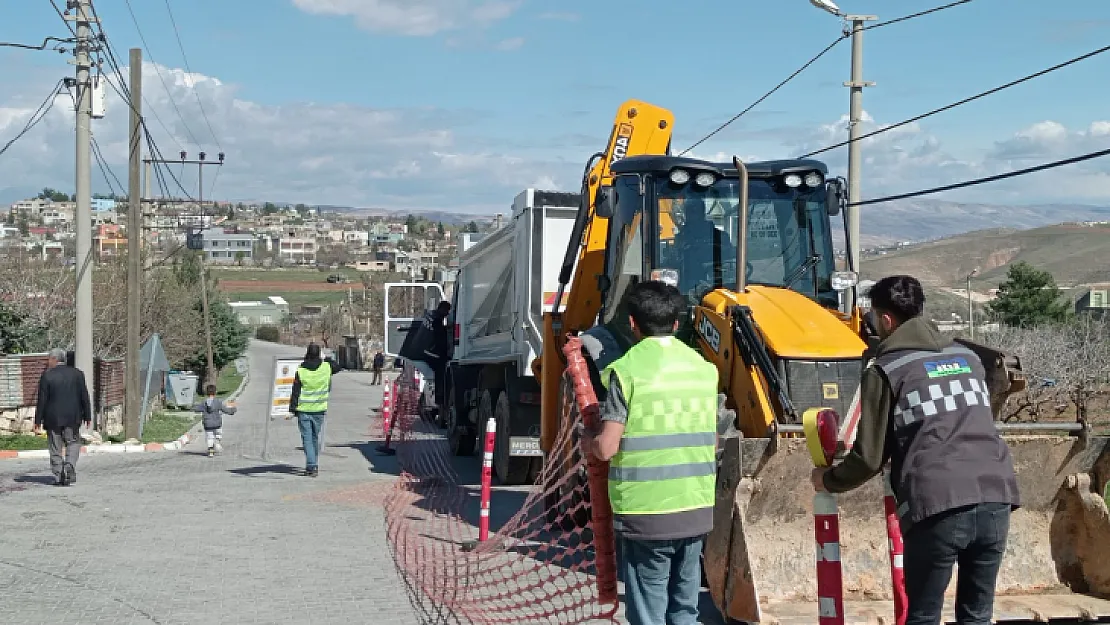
180	538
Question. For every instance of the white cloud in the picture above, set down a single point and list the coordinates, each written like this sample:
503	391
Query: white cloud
560	16
299	152
416	18
514	43
438	159
909	158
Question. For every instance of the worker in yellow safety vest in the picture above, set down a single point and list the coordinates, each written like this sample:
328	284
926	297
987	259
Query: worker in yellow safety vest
309	401
659	433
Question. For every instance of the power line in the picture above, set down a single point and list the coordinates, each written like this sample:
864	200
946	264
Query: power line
45	42
192	85
962	102
105	169
103	38
916	15
161	78
768	94
978	181
63	18
36	117
124	93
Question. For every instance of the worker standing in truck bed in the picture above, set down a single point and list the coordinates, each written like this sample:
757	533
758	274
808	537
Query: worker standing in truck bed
925	406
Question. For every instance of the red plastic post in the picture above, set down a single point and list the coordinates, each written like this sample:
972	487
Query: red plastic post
601	511
826	526
487	480
894	534
387	408
390	408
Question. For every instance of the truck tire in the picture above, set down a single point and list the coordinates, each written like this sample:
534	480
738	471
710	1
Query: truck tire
461	436
510	471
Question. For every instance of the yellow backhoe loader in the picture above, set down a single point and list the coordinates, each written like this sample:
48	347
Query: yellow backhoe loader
770	309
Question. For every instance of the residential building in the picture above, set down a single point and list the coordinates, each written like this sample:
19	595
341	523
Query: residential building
1094	302
109	241
356	237
103	204
227	247
468	240
370	265
297	250
271	311
382	233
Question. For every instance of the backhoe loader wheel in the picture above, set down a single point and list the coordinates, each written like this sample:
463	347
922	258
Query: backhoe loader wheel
511	471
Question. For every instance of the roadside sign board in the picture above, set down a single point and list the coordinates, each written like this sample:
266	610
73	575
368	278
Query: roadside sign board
281	390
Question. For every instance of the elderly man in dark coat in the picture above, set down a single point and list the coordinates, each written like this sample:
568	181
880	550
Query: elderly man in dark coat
63	405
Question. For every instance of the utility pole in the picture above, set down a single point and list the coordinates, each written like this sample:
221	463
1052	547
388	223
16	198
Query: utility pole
855	117
209	377
83	214
971	305
134	410
351	310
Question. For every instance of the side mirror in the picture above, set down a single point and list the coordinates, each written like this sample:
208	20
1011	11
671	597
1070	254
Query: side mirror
834	192
605	206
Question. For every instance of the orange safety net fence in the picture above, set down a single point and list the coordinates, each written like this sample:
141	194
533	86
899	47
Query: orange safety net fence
539	567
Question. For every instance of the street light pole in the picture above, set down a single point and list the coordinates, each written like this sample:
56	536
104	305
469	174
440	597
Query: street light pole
855	117
970	305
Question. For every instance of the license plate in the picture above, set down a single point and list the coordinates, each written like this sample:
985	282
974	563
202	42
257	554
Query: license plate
524	446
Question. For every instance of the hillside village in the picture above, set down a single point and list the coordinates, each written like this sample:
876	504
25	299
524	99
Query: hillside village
278	264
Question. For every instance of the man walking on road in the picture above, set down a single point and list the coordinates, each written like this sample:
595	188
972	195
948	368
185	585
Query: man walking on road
63	405
925	406
659	432
309	401
378	365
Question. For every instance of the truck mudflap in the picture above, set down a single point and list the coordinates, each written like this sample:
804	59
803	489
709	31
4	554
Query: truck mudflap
760	557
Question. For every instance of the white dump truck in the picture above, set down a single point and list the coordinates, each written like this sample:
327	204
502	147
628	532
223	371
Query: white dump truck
505	284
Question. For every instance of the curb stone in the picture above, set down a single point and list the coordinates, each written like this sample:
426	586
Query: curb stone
107	449
178	444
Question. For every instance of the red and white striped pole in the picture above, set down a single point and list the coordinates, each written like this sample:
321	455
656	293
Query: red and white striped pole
820	428
894	534
487	480
389	416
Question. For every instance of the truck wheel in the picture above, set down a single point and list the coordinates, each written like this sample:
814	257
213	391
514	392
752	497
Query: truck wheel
510	471
461	437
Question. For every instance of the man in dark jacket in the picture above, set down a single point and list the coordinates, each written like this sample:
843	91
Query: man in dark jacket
309	401
440	349
925	406
63	405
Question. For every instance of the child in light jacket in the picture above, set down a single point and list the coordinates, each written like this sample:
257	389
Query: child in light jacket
213	411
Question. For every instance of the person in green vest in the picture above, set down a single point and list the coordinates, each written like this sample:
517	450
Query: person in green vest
659	434
309	401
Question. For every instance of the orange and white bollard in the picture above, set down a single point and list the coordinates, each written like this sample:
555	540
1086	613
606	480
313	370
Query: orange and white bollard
487	480
389	396
821	438
894	534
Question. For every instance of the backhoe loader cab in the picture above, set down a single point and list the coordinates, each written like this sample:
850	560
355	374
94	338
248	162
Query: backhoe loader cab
680	217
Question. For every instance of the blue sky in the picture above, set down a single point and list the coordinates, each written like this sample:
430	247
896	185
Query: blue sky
460	104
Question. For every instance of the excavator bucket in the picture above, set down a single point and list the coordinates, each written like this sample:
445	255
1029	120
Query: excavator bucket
760	557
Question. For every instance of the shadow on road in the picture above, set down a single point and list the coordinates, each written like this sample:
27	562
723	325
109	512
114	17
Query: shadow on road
35	479
256	471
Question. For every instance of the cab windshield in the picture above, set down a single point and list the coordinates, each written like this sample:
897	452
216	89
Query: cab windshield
788	239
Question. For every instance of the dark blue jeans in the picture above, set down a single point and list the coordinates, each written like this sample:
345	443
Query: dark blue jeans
974	537
310	424
662	580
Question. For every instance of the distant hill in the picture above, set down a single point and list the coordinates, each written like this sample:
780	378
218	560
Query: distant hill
1076	255
925	220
